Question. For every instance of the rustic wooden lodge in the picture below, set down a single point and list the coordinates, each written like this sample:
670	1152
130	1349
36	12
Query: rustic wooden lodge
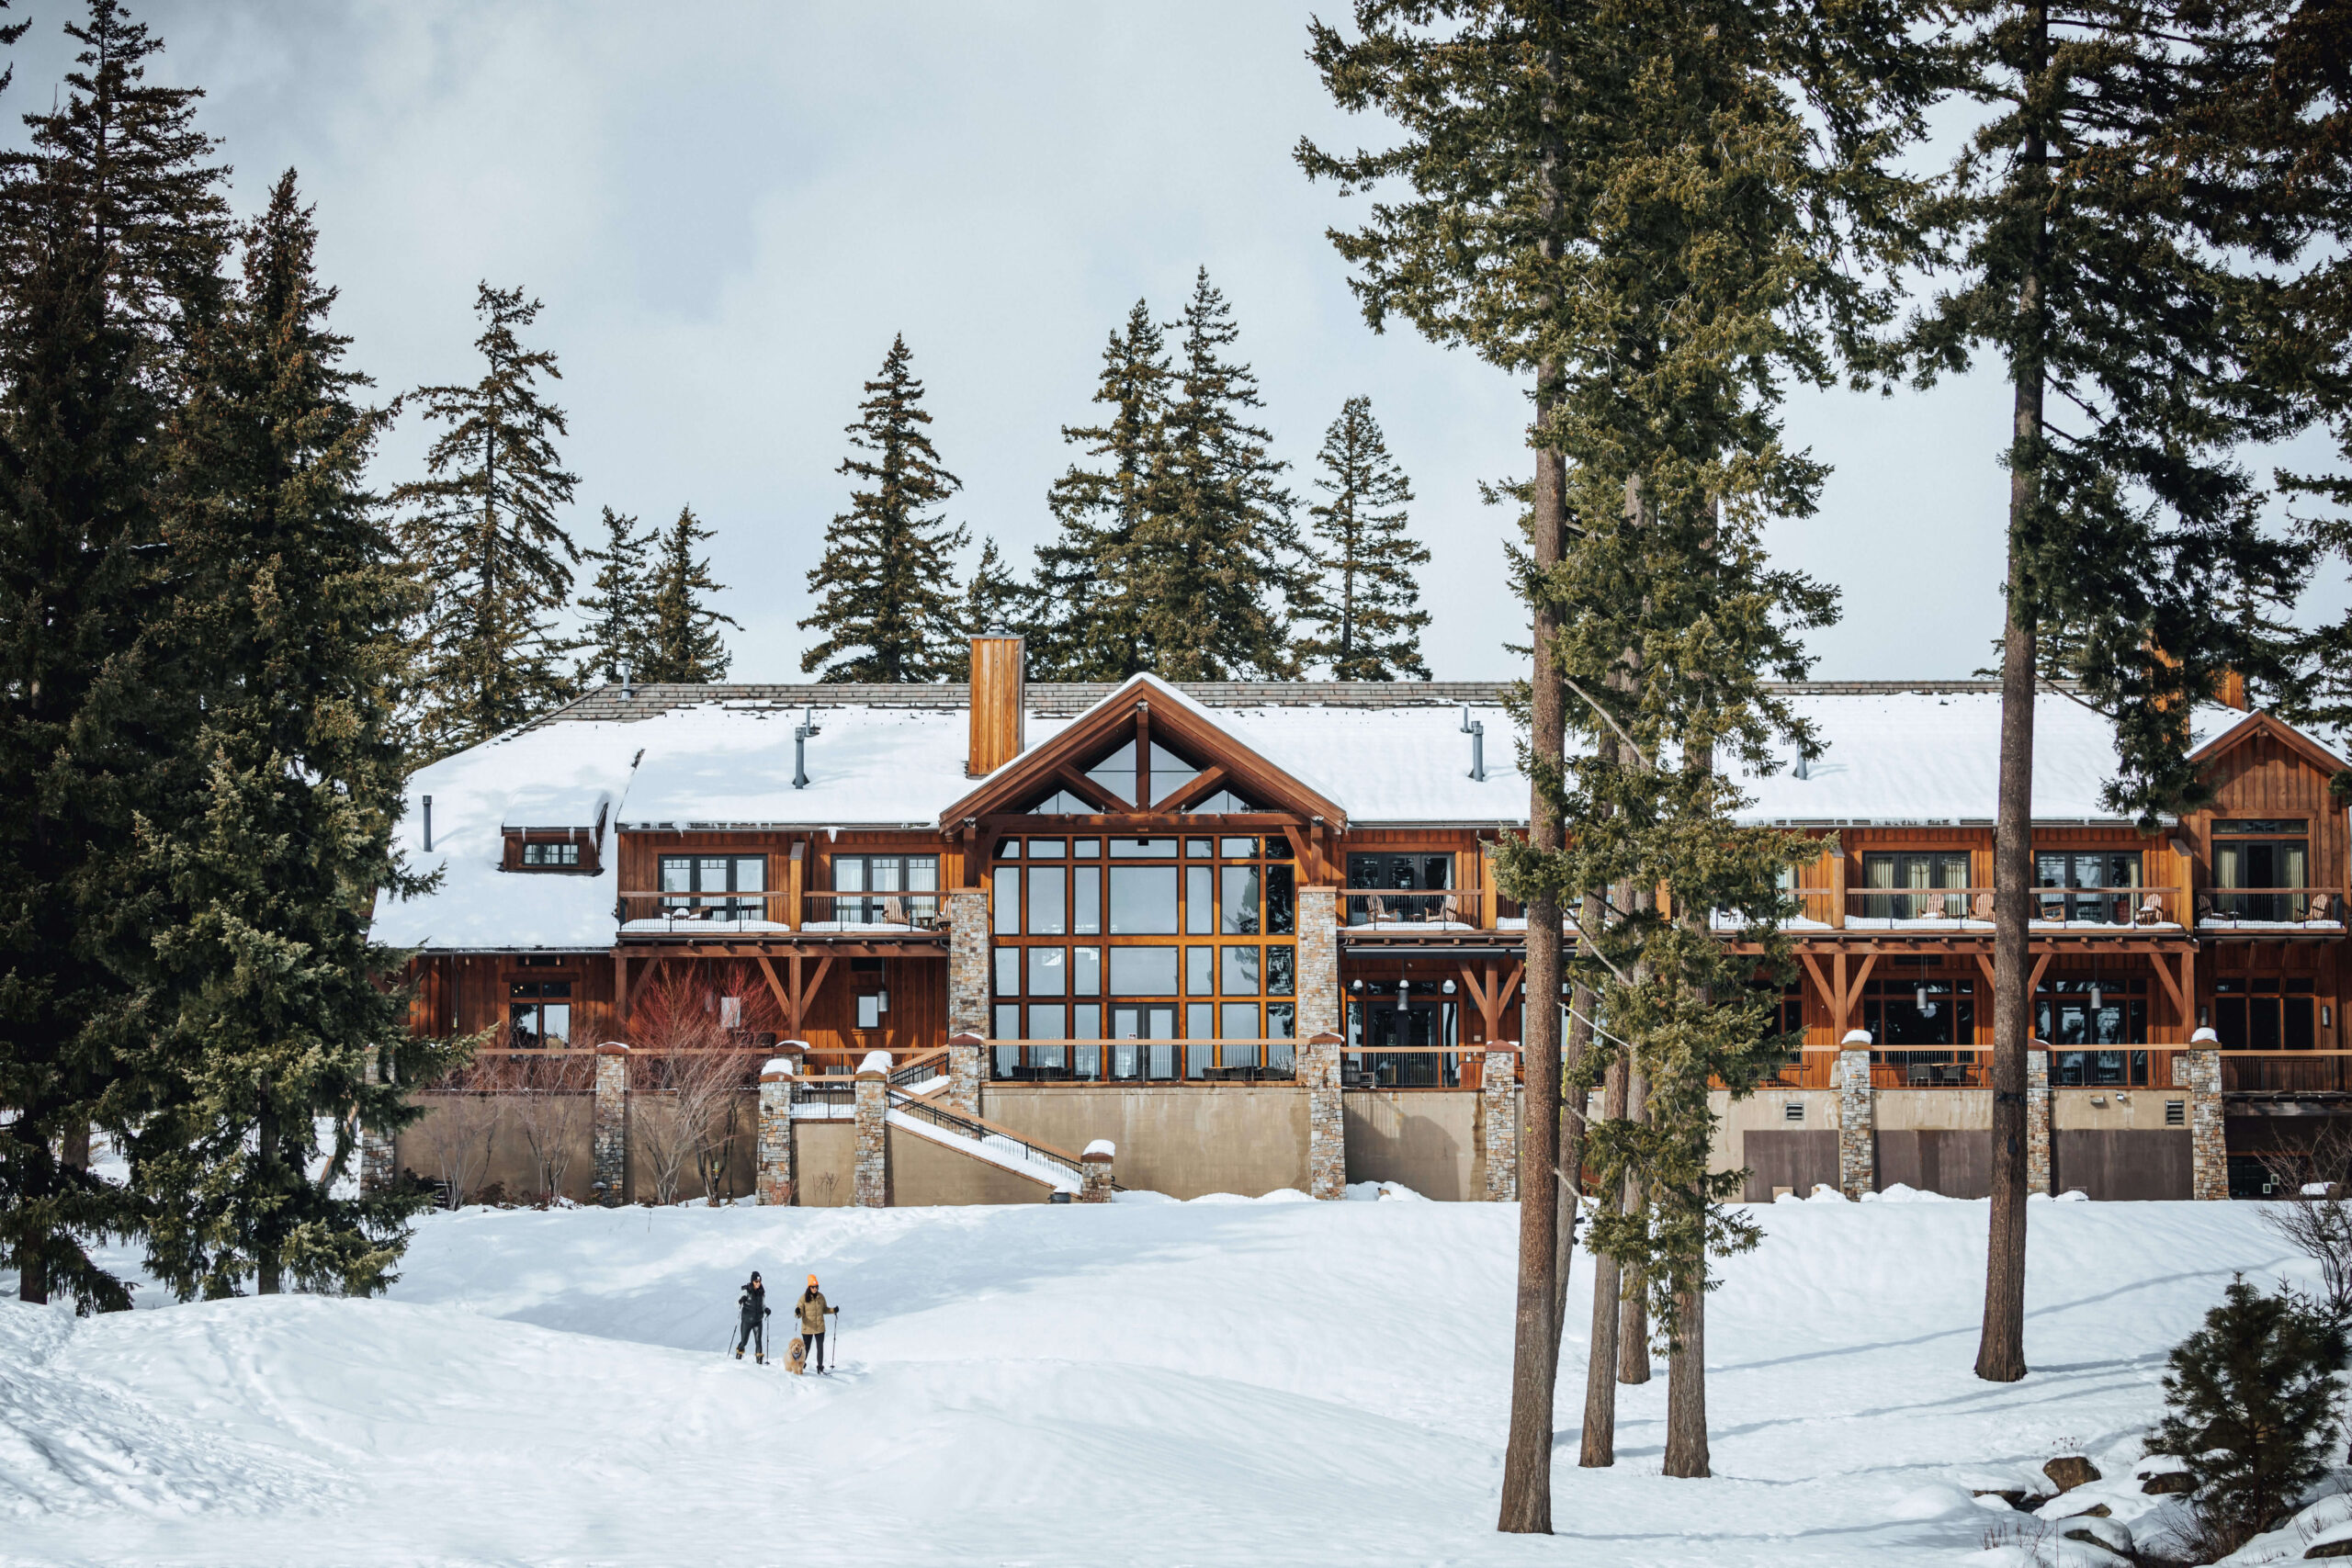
1246	934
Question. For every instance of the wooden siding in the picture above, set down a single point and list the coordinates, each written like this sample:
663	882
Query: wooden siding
998	709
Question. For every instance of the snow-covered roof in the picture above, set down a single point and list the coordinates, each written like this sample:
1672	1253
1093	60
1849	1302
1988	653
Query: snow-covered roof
557	775
1934	757
1930	755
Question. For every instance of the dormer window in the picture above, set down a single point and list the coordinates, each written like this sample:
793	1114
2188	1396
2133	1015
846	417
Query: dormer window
562	851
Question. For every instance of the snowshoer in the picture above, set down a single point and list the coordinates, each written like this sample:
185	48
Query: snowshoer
812	1310
750	1326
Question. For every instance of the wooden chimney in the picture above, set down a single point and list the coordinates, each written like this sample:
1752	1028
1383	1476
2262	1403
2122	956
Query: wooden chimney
999	704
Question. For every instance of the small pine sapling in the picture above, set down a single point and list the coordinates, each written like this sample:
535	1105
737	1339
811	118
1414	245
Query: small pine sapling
2251	1406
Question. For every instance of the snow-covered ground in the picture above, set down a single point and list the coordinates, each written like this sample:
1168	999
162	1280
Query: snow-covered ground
1147	1382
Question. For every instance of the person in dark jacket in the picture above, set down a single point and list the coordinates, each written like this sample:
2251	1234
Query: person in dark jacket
813	1309
751	1307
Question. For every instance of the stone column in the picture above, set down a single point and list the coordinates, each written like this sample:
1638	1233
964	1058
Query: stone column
1319	963
2038	1170
610	1168
776	1180
1499	1103
2209	1153
966	1068
873	1185
1327	1128
967	915
1857	1118
376	1157
1094	1175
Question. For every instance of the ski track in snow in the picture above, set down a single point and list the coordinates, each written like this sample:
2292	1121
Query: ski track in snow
1235	1382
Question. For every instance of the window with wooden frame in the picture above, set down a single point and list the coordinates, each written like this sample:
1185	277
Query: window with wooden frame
1188	941
1912	869
2261	852
714	887
1406	888
559	850
903	890
2264	1012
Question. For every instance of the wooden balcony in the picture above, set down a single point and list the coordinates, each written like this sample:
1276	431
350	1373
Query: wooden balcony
2270	913
845	922
2087	911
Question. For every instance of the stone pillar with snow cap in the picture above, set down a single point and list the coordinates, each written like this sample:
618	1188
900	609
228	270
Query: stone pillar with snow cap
609	1169
967	1059
776	1183
1095	1171
1497	1109
872	1190
2209	1153
2037	1165
1327	1127
1857	1117
376	1155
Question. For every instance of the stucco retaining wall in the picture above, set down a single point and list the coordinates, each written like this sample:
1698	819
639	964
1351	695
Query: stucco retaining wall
1181	1139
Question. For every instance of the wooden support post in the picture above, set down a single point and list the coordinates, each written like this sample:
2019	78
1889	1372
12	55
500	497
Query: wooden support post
796	881
1837	889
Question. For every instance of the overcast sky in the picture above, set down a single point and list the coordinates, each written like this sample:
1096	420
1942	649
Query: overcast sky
729	209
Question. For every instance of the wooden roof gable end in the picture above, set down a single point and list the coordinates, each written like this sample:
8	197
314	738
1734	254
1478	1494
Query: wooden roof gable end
2276	728
1144	711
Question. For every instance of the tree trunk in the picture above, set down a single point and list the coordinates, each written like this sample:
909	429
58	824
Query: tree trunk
1599	1449
1633	1336
1572	1114
2000	1352
1686	1387
265	1248
32	1273
1526	1459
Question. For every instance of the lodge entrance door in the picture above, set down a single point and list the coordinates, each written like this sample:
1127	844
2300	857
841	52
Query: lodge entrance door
1385	1027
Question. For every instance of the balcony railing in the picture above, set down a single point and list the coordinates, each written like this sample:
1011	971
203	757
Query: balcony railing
1455	909
2292	1073
2226	907
689	914
1880	909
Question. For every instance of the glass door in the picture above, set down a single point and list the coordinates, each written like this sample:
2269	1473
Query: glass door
1152	1025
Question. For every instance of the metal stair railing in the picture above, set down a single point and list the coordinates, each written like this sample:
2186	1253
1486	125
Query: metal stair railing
920	1068
988	1135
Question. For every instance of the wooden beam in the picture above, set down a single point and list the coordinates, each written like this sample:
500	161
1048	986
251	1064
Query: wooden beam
1820	981
1511	977
2172	986
620	992
775	986
1482	995
2033	982
1143	756
1854	990
1206	782
1838	972
1984	963
1014	825
793	999
795	883
1087	790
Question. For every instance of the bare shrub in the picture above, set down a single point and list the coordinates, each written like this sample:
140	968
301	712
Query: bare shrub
458	1136
552	1103
2317	1223
696	1030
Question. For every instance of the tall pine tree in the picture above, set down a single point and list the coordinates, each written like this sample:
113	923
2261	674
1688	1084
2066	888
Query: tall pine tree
2109	274
1089	622
1366	598
682	638
112	225
1216	566
887	608
483	532
1569	172
615	605
267	995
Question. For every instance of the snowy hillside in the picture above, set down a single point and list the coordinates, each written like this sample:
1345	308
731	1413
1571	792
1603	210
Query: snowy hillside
1210	1383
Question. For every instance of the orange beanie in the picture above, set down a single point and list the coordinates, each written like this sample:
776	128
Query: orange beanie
812	1282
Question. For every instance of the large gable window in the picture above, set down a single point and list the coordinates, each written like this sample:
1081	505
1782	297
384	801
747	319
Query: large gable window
1114	958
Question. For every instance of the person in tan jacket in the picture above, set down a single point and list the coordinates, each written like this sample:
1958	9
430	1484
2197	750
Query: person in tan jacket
811	1309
